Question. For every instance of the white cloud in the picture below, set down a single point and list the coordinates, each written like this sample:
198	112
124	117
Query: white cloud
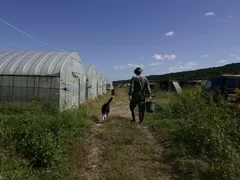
233	55
171	33
155	64
210	14
223	61
231	16
238	58
157	57
161	57
129	66
204	55
186	66
170	57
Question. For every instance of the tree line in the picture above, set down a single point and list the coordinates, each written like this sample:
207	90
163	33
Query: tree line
200	74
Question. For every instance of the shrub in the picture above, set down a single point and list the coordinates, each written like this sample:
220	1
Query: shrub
209	132
41	134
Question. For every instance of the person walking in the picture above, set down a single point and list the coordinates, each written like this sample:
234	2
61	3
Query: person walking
138	90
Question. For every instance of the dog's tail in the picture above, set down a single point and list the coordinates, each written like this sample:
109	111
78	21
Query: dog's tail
110	100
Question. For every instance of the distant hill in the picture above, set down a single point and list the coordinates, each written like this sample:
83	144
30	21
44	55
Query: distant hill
204	74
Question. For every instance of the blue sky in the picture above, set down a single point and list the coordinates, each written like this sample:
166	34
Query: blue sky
162	36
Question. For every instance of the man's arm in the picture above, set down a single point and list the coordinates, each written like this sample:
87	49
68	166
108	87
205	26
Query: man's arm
148	87
131	88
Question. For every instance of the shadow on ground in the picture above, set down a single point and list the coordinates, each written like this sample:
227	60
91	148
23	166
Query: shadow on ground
96	119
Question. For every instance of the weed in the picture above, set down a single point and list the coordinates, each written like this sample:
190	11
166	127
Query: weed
201	132
41	136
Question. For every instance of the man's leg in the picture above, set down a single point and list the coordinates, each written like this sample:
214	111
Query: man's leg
132	107
141	107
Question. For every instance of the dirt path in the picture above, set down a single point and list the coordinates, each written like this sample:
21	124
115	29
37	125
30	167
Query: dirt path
120	149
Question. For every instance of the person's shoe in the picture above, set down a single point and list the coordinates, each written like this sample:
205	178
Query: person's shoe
140	122
133	120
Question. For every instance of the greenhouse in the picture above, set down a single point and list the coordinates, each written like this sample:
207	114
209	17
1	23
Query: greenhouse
109	84
104	86
99	83
91	81
58	77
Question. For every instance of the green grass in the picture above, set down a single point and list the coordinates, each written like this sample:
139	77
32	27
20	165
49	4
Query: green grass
126	150
36	141
128	153
162	97
204	137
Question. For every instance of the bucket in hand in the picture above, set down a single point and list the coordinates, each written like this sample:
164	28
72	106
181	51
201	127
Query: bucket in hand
150	106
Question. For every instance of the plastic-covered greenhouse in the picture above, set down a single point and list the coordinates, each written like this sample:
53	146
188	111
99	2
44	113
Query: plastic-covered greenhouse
54	76
91	83
100	83
109	84
104	85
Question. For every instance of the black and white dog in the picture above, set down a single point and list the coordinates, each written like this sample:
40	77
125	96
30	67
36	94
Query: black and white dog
106	109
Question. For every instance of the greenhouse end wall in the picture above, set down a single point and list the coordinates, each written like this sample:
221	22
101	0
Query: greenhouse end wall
91	78
104	87
72	84
99	83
